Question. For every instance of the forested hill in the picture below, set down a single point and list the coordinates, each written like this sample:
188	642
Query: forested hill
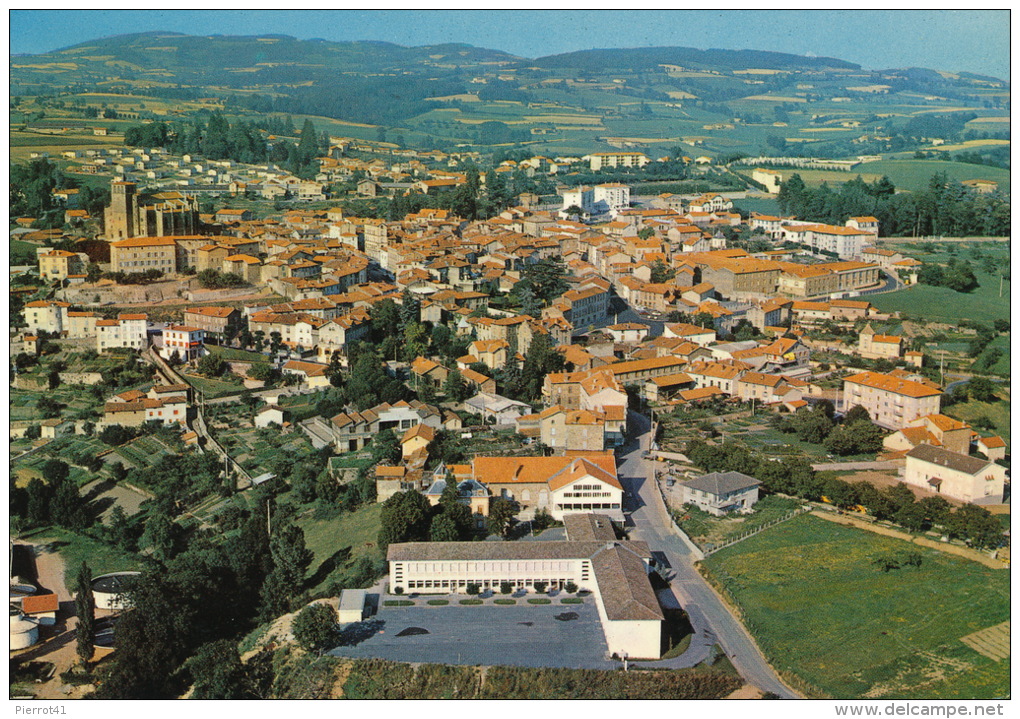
648	58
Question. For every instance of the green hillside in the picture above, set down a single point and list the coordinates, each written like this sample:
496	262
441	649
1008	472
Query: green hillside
915	174
709	102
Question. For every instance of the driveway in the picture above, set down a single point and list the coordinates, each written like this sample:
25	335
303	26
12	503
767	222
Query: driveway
526	635
712	621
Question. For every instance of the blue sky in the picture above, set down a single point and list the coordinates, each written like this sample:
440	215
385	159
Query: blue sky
953	40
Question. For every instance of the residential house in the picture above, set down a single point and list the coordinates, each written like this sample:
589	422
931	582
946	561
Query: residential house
720	493
967	478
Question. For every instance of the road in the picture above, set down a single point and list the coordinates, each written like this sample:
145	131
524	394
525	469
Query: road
709	616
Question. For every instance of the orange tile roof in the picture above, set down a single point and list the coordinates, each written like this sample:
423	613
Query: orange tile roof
145	242
40	603
532	470
896	385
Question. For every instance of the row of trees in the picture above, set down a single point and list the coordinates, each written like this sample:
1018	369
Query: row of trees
31	193
409	517
943	207
795	476
241	141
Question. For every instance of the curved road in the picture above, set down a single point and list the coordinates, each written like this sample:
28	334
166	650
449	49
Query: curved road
712	621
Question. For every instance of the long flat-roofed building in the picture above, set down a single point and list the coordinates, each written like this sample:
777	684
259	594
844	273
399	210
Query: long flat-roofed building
616	572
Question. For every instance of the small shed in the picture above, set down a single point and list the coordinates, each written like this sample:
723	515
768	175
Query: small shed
271	414
351	607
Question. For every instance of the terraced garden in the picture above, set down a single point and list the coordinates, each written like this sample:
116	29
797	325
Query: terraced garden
142	452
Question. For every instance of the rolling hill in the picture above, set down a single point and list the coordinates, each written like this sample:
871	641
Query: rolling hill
709	102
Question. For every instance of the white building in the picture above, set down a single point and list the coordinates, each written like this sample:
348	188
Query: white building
125	331
46	316
597	200
615	572
720	493
963	477
187	342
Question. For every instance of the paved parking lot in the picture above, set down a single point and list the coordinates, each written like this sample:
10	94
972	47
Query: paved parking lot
520	635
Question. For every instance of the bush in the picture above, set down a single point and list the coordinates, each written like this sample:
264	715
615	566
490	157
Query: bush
506	588
473	589
315	627
398	603
540	587
471	602
571	600
505	601
539	600
398	590
570	588
438	602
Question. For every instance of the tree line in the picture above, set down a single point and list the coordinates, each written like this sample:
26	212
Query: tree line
943	207
795	477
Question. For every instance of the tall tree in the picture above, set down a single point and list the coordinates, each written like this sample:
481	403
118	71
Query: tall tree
406	517
291	558
85	608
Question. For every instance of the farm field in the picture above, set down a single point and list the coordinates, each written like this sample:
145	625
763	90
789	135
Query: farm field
838	626
915	174
255	449
23	144
997	412
941	304
142	452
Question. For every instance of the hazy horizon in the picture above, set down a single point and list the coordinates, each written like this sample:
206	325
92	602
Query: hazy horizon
975	41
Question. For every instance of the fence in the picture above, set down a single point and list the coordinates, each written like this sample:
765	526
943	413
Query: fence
695	549
712	549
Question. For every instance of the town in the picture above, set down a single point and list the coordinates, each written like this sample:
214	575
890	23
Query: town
372	403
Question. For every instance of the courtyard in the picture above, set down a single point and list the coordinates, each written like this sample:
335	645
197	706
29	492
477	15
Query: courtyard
527	635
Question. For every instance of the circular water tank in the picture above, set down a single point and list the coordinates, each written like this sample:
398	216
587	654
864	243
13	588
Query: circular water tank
24	631
108	589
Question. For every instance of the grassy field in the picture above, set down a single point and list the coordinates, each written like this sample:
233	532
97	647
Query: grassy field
75	548
997	412
213	388
940	304
336	543
915	174
826	615
705	528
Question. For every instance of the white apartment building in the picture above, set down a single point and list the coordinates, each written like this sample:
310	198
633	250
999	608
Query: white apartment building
128	330
187	342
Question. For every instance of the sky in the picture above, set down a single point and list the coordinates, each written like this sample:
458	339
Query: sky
950	40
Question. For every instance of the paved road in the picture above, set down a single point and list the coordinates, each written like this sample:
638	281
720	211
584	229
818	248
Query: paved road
710	618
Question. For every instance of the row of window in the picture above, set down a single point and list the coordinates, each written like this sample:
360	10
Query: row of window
487	583
588	505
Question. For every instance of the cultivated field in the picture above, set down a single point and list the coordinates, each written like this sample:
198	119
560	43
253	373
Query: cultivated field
838	626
